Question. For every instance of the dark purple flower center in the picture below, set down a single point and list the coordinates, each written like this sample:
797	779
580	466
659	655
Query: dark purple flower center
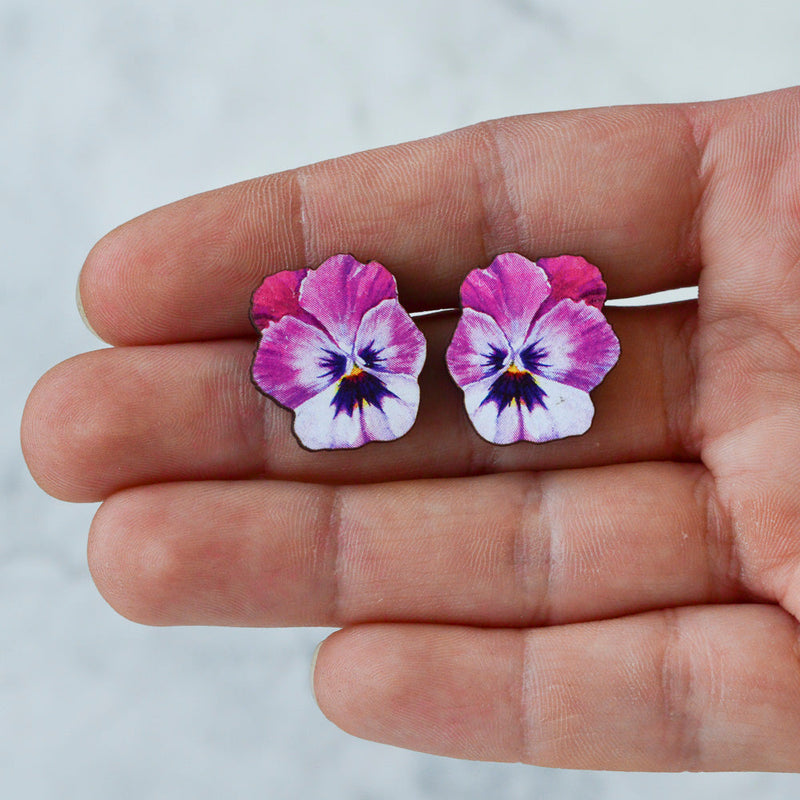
370	356
358	389
515	386
532	358
493	360
334	364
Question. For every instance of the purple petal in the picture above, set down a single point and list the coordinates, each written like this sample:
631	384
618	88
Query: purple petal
478	348
389	341
341	290
511	290
572	344
296	361
572	278
320	425
278	295
563	411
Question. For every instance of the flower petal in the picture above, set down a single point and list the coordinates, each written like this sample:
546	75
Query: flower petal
341	290
278	295
572	278
397	413
320	425
478	348
296	361
567	411
563	411
572	344
511	290
389	341
498	427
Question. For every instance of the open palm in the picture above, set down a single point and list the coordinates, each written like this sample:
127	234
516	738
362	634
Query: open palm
625	599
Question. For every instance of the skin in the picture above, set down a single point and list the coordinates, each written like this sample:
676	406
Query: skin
627	599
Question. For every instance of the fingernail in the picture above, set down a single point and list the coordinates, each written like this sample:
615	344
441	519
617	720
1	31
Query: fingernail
79	303
313	669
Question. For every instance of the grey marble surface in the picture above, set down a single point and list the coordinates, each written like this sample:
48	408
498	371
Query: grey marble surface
108	108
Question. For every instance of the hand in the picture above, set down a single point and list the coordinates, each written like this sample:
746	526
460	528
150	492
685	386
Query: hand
622	600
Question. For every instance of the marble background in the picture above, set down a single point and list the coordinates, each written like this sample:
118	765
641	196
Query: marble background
109	108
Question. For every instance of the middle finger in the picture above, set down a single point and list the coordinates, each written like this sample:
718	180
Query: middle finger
140	415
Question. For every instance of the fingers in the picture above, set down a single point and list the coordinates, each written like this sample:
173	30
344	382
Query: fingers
505	550
117	418
713	688
618	186
750	208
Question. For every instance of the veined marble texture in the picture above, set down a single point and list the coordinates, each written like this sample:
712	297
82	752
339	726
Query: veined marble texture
110	108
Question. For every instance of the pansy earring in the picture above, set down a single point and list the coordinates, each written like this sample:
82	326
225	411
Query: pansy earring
339	350
530	346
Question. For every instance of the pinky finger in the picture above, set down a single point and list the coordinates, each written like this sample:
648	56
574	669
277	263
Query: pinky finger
697	688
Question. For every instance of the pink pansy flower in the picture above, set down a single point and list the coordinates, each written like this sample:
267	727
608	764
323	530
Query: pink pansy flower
339	350
530	346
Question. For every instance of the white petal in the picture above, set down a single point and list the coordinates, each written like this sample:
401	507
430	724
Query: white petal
503	428
397	414
567	411
318	427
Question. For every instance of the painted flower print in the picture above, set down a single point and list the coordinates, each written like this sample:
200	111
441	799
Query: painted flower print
530	346
339	350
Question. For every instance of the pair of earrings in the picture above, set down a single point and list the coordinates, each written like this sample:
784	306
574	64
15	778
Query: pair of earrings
339	350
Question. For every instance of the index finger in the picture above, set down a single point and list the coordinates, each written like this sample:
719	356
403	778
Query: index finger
617	186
